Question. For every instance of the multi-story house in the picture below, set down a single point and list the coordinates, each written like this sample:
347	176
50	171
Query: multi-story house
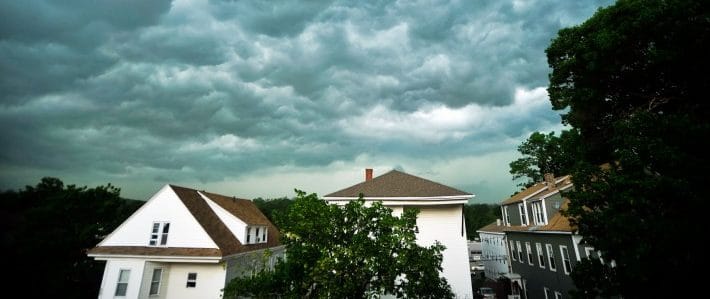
440	218
185	243
494	250
543	247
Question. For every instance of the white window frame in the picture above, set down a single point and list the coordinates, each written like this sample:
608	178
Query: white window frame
558	295
118	282
520	251
512	250
507	215
159	238
551	257
152	280
538	214
523	214
191	280
566	262
547	292
528	248
257	234
540	255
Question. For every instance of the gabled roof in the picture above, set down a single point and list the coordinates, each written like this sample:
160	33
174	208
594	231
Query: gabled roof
398	184
558	223
539	190
226	241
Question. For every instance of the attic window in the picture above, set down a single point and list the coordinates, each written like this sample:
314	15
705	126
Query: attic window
256	234
160	231
191	280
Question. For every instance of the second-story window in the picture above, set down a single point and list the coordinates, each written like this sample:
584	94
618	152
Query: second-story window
565	259
520	251
159	234
507	216
512	250
530	253
540	255
551	257
523	216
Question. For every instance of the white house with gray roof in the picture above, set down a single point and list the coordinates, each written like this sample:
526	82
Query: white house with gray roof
440	219
184	243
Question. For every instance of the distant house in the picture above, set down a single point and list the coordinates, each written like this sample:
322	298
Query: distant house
440	219
543	247
494	250
184	243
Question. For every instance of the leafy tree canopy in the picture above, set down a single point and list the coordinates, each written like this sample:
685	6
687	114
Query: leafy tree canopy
272	207
46	230
633	80
351	251
478	216
545	153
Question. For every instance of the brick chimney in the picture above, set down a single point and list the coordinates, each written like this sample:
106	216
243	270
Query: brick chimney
550	180
368	174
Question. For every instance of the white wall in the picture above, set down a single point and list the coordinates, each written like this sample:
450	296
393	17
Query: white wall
444	224
210	281
495	254
108	284
164	206
235	225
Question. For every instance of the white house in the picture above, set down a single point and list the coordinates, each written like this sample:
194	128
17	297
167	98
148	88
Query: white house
184	243
440	219
494	247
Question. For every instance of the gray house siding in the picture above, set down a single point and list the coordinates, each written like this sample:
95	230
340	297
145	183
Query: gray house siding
537	278
514	214
553	203
252	262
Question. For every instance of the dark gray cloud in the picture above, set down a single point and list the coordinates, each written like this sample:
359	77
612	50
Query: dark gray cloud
211	92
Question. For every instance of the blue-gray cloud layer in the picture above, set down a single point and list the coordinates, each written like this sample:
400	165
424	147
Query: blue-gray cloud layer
204	90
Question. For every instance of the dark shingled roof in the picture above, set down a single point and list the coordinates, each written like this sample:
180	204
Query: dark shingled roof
557	223
539	187
398	184
226	241
493	228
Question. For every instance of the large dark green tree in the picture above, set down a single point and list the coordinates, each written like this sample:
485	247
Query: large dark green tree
545	153
46	230
352	251
479	215
633	80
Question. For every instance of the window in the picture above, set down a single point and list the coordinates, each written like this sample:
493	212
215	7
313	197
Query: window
155	281
551	257
565	259
547	293
558	295
523	216
159	231
520	251
507	216
122	284
530	254
512	250
540	255
191	280
256	234
538	215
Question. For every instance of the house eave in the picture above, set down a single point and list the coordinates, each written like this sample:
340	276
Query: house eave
157	258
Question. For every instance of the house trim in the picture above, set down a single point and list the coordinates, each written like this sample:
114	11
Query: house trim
168	259
429	198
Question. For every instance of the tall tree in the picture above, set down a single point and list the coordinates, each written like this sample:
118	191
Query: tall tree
46	230
545	153
354	251
633	80
272	207
478	216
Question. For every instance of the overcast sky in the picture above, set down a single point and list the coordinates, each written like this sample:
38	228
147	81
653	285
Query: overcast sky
256	98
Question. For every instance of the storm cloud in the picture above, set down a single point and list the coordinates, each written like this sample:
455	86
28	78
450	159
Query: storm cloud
255	98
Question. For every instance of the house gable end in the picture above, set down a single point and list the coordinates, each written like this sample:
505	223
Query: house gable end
165	206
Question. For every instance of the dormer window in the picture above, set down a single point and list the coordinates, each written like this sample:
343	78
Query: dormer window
538	215
159	234
523	215
256	234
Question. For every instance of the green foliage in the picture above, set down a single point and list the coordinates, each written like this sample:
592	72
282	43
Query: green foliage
352	251
273	207
545	153
633	80
478	216
47	229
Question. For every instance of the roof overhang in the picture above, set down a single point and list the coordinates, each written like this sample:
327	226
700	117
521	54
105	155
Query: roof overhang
153	258
433	200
